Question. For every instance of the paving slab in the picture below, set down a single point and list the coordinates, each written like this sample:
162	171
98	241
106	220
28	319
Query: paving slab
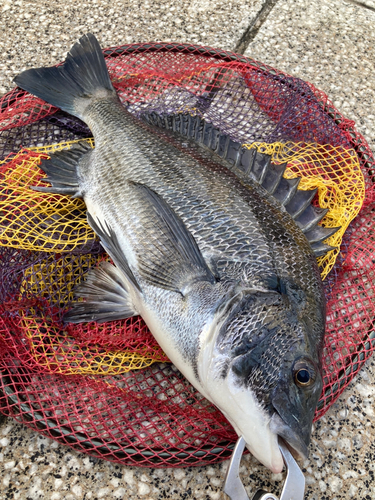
368	4
36	33
327	42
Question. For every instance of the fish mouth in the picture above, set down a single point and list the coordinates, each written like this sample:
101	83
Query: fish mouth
296	441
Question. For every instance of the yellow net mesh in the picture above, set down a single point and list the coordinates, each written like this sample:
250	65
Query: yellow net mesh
37	221
55	223
59	353
336	172
55	279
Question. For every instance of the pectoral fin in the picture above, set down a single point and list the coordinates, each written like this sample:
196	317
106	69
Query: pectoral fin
167	256
170	258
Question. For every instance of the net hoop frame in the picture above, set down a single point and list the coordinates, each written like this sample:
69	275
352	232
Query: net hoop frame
156	458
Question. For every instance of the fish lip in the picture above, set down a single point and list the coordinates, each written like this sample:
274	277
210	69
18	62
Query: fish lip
295	441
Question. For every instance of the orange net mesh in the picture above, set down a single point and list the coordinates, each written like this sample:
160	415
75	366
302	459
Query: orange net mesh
83	384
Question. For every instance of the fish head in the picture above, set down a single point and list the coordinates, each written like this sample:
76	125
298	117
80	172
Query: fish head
262	368
294	400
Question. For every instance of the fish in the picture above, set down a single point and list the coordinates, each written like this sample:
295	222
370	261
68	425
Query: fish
210	244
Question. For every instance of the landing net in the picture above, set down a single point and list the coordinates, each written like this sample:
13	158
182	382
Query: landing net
109	390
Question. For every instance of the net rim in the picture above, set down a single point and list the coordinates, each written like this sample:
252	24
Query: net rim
359	143
189	456
363	151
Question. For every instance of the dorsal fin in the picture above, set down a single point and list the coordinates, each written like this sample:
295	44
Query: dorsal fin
258	167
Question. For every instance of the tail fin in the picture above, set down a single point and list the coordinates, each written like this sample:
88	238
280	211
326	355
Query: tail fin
83	73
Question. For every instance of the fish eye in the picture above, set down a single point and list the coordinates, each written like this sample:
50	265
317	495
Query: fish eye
302	377
304	373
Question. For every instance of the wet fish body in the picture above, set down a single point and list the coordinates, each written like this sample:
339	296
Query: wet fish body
222	274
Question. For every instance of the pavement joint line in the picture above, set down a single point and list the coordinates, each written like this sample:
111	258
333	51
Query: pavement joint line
254	26
361	4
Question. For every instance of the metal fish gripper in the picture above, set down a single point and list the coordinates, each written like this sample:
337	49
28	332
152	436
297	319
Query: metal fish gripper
294	486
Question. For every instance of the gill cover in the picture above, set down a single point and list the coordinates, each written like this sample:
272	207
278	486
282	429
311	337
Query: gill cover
259	355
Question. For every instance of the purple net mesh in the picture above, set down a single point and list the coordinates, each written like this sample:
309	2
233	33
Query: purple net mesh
153	416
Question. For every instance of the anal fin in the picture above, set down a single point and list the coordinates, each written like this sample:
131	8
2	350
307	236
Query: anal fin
61	170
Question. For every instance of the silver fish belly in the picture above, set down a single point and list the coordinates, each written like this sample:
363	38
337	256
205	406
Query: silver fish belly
222	274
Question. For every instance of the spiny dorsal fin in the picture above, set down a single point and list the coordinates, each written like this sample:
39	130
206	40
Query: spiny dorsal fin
258	167
321	249
286	190
300	201
320	233
310	217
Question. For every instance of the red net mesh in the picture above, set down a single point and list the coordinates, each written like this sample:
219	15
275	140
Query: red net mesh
108	390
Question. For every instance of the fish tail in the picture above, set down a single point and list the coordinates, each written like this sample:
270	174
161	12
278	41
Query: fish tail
83	76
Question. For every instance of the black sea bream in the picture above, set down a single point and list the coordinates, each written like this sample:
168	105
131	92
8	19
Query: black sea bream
217	255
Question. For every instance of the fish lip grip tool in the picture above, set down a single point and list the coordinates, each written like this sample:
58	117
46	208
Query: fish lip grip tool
294	486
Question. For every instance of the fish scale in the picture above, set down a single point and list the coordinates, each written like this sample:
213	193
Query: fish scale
208	245
188	186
